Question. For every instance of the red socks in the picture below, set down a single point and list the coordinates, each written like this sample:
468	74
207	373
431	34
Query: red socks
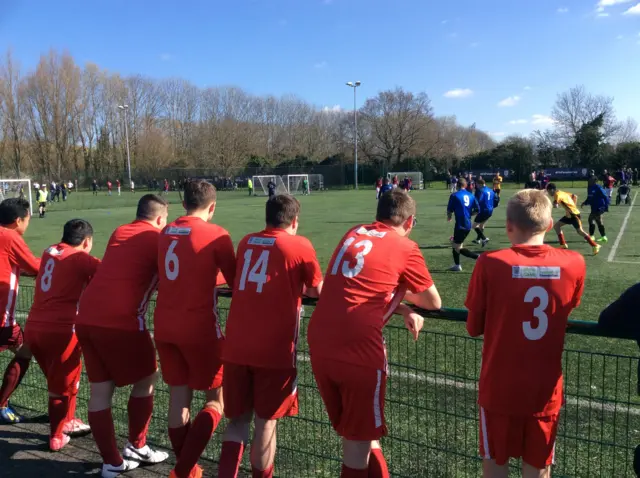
71	411
268	473
377	464
561	239
230	458
591	242
13	375
104	435
58	413
197	440
140	410
352	473
177	436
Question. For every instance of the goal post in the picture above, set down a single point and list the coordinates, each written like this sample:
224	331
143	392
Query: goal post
417	180
296	183
261	185
13	188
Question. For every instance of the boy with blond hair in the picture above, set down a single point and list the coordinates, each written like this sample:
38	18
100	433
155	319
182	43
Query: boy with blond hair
520	390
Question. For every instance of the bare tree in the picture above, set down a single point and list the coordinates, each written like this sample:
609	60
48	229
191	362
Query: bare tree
627	133
12	110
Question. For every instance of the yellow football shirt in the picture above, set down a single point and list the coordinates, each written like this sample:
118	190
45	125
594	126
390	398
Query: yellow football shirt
566	200
497	182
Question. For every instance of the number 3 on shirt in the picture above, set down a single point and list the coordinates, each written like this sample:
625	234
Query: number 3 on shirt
258	273
539	313
350	272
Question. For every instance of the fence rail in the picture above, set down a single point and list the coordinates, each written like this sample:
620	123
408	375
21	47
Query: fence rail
430	407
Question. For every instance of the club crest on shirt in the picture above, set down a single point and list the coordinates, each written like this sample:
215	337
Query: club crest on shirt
262	241
178	231
535	272
54	252
371	233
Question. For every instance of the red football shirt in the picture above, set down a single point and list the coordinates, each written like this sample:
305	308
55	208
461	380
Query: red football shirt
262	327
366	269
15	257
118	296
520	299
64	273
190	254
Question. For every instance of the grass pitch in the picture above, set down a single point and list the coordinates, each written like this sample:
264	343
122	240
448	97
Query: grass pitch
431	409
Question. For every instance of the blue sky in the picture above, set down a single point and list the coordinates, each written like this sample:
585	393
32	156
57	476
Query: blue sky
470	56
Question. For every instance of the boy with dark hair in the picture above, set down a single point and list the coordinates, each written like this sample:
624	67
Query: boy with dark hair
65	270
275	267
520	389
599	201
191	252
486	198
373	268
15	257
117	347
462	205
572	216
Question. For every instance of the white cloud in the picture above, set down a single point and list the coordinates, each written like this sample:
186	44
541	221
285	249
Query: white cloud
320	65
519	121
562	10
332	109
602	4
542	119
510	101
166	57
527	88
602	15
498	134
459	93
633	10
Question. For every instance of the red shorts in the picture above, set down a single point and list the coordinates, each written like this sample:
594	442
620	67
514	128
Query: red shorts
10	337
271	392
59	356
114	355
506	436
353	397
197	365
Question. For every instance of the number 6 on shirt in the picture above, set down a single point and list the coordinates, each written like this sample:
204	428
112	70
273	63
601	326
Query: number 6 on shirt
258	273
536	333
171	264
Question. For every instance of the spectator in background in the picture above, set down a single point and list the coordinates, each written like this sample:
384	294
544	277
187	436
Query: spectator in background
394	181
64	190
385	188
454	184
94	187
109	188
250	186
635	176
378	185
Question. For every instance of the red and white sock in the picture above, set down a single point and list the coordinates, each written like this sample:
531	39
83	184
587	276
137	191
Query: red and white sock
197	440
104	434
230	459
268	473
377	464
71	412
561	239
139	410
58	412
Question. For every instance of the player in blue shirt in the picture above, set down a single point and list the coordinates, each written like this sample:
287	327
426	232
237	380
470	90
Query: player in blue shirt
385	187
486	199
463	205
598	199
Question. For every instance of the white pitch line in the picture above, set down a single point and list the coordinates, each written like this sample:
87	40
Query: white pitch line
472	386
625	262
612	254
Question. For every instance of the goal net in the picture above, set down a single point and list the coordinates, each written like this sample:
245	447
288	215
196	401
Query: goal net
316	182
14	188
417	181
261	185
296	185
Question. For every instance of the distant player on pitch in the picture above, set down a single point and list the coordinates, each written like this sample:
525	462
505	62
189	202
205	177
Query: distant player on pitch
368	275
497	183
15	258
65	270
275	267
599	201
188	336
520	390
462	205
486	199
572	216
116	344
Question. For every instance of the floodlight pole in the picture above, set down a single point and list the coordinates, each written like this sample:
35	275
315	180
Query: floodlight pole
126	133
355	85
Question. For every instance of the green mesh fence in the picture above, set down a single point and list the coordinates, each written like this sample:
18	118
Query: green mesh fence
431	410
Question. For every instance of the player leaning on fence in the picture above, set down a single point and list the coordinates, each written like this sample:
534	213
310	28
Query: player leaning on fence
367	277
520	390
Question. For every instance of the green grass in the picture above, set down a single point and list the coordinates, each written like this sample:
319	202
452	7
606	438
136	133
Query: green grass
431	394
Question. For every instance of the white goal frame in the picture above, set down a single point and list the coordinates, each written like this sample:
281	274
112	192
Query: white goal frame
417	178
263	180
27	183
294	190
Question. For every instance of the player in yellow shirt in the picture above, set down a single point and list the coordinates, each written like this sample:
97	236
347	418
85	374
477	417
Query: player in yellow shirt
497	183
571	216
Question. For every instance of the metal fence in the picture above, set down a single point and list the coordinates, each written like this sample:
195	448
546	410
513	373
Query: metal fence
430	407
